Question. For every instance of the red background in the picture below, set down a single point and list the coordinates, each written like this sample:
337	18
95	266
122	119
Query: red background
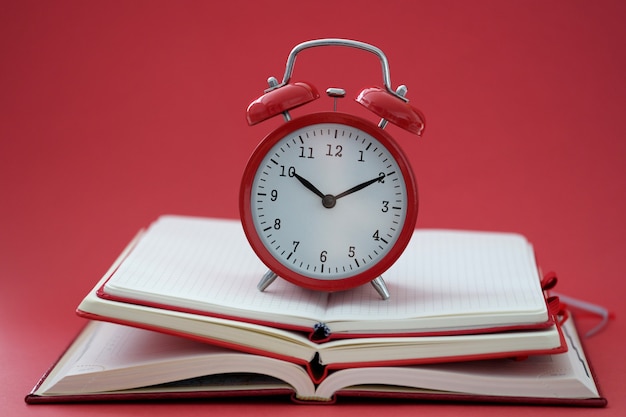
114	112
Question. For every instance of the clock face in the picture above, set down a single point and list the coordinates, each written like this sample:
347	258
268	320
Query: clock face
328	201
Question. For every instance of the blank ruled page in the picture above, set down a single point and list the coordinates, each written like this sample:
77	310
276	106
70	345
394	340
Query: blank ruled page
206	265
445	280
452	279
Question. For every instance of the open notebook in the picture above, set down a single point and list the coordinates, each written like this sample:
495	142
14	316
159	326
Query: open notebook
445	281
456	295
112	362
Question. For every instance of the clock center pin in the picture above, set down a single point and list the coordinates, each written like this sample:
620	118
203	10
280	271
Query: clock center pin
329	201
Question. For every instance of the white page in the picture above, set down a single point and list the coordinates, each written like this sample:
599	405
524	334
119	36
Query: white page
565	375
105	347
478	276
473	278
196	262
111	357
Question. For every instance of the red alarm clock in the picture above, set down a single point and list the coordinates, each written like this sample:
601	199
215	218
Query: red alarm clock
328	201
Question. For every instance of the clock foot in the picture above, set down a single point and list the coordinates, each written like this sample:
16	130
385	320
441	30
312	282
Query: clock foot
381	287
267	279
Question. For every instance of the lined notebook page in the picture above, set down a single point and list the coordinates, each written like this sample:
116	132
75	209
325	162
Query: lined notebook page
206	265
443	279
481	278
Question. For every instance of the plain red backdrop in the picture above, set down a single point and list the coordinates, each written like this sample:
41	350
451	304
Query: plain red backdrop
112	113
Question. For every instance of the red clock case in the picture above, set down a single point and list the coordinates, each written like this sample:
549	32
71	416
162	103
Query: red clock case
245	197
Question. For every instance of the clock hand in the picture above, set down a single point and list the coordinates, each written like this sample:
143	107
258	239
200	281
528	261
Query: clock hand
329	200
360	186
308	185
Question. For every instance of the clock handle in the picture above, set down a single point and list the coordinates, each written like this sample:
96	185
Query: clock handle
391	105
291	60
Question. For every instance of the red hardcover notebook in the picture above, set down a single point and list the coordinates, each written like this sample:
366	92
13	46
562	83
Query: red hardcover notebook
150	366
456	295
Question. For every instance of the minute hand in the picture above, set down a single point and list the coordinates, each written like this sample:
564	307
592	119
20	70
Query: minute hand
360	186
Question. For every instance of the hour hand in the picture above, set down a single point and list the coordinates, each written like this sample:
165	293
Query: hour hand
361	186
308	185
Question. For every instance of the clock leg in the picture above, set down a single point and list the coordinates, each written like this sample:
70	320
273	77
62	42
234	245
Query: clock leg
381	287
266	280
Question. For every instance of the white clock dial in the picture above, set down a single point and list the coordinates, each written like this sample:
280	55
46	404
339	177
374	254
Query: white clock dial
328	201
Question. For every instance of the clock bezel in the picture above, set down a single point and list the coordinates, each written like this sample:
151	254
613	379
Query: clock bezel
360	277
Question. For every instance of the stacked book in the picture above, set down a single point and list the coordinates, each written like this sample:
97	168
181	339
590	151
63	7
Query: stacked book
178	315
